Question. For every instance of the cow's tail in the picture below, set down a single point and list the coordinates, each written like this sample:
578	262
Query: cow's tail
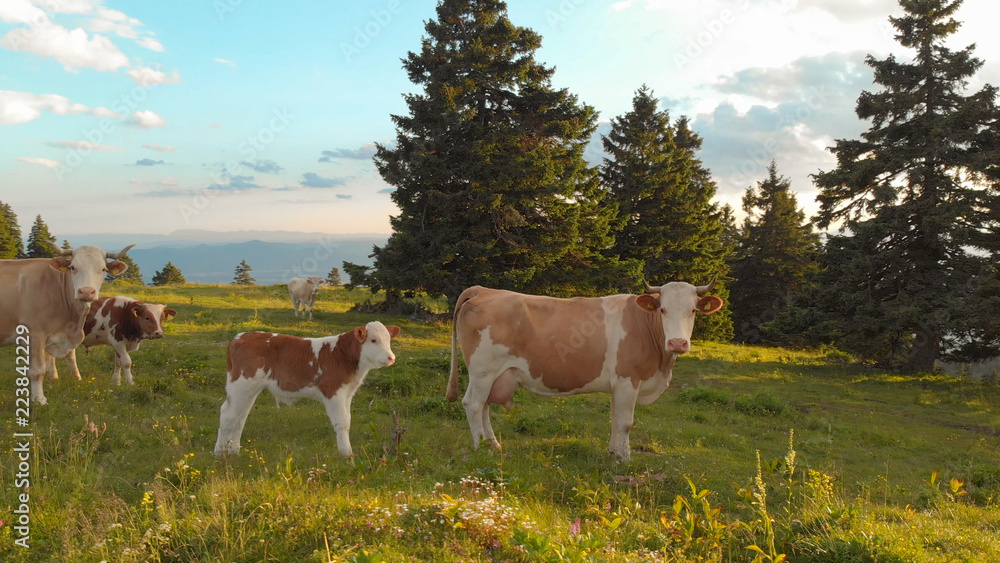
452	393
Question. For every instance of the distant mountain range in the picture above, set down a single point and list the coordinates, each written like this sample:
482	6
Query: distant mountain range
212	257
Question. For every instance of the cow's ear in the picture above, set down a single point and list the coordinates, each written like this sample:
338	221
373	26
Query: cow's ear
60	263
167	313
393	330
648	301
135	311
361	333
117	268
710	304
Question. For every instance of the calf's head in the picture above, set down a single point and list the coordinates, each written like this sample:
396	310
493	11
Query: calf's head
150	318
375	338
677	304
314	284
87	266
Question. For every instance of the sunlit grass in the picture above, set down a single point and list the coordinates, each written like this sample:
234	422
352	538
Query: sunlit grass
127	473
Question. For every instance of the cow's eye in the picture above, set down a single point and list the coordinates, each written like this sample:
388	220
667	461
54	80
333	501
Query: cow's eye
694	311
373	341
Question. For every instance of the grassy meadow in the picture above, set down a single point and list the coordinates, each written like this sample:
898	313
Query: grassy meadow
753	454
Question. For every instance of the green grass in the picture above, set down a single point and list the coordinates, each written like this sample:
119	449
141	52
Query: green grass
881	468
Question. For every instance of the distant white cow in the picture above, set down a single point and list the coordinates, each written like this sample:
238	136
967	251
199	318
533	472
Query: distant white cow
328	369
303	292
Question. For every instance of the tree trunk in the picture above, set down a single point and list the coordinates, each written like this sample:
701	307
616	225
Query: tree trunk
925	350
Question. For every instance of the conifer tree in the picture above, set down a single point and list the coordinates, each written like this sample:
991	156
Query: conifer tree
918	195
488	168
37	247
11	245
169	275
242	274
776	252
333	278
666	218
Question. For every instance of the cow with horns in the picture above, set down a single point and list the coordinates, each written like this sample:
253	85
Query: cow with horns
44	303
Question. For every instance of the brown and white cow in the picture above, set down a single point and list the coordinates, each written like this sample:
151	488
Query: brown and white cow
328	369
303	292
122	323
51	297
624	345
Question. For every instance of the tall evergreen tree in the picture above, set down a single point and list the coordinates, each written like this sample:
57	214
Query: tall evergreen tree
132	275
333	278
242	274
919	193
169	275
776	253
666	217
11	245
488	167
36	240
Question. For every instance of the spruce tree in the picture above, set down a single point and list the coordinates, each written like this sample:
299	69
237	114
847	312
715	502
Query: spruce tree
333	278
666	217
776	252
242	274
169	275
11	245
488	168
919	194
37	247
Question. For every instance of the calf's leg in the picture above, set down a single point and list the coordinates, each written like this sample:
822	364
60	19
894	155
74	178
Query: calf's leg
240	396
338	408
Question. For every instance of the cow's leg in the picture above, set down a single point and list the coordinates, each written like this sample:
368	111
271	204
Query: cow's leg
310	311
476	407
38	366
240	396
338	408
71	361
123	361
623	399
52	369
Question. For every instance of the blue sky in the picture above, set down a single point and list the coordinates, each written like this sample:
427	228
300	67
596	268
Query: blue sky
150	117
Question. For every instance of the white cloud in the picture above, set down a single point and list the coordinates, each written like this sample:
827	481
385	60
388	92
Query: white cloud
73	48
151	44
145	76
113	21
22	11
84	146
22	107
46	162
158	148
146	119
224	61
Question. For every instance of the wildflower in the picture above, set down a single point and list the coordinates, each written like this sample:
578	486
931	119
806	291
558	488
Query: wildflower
574	528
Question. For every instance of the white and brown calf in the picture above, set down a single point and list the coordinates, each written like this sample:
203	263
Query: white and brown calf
122	323
328	369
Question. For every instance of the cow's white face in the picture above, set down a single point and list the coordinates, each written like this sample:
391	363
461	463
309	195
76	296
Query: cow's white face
87	266
375	338
678	304
314	284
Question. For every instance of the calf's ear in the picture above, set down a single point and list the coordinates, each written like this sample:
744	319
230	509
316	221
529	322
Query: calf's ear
361	333
60	263
117	268
648	301
393	330
710	304
167	313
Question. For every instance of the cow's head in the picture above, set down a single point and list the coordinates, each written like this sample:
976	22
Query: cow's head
375	338
150	317
87	266
677	304
314	284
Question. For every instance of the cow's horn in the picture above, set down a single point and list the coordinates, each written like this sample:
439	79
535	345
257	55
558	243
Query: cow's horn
650	289
117	255
59	249
703	289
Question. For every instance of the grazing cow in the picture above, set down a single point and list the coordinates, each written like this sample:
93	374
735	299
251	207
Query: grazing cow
303	292
51	297
624	345
328	369
122	323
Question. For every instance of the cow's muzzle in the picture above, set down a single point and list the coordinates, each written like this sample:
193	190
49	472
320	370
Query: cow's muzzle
678	345
86	294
